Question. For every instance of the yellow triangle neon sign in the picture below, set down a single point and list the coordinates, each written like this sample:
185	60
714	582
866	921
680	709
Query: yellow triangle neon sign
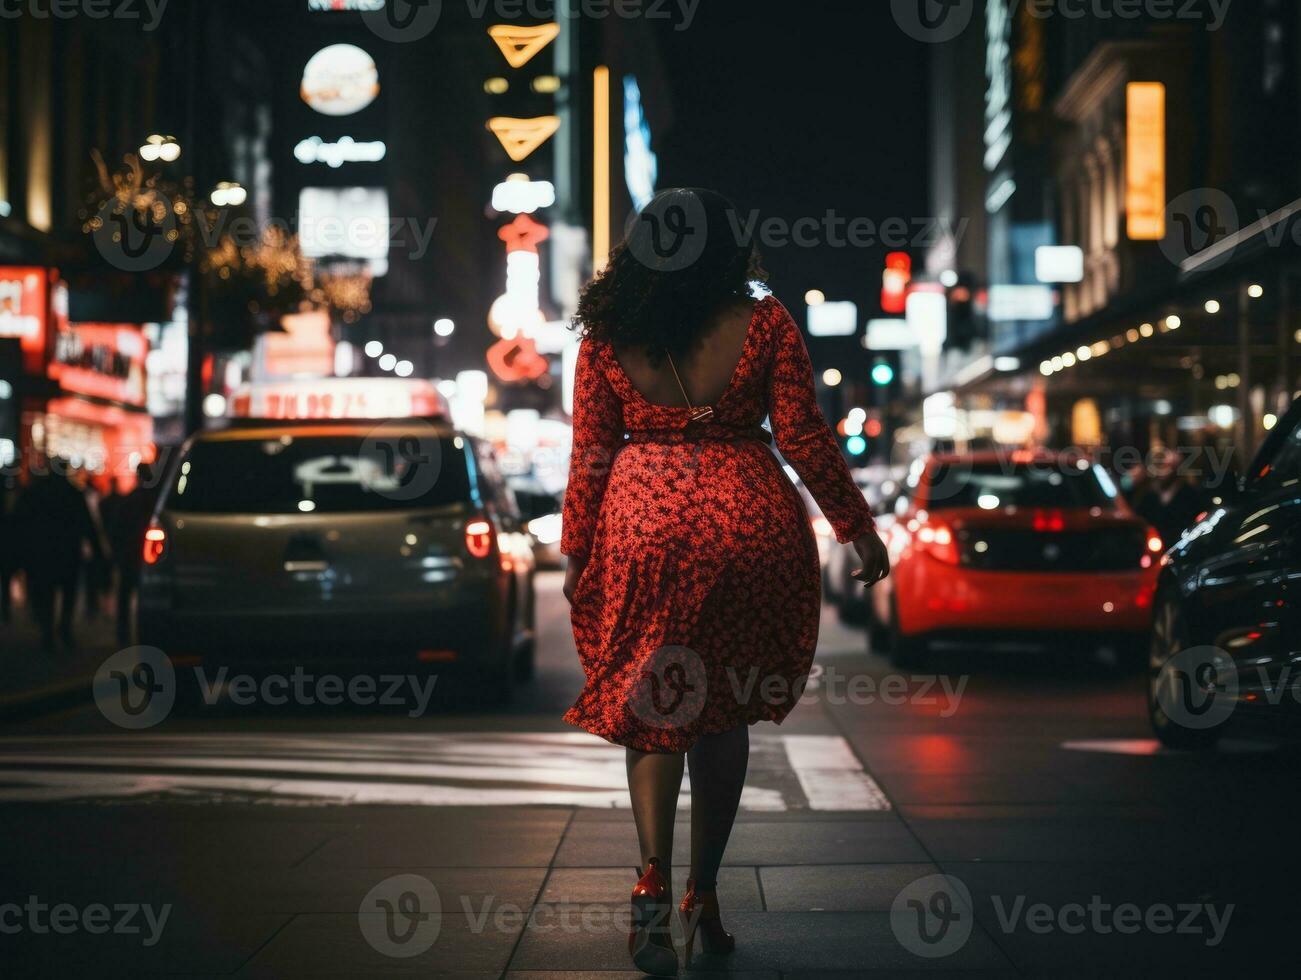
520	44
520	137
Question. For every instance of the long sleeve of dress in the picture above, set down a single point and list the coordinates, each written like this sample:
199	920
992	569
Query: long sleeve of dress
598	435
805	439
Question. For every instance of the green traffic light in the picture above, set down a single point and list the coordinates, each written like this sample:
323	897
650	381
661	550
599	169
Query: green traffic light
882	374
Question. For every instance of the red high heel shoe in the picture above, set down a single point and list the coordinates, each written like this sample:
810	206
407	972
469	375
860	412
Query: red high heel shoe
650	940
700	915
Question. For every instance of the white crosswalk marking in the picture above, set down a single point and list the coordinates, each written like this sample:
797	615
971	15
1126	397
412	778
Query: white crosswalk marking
787	772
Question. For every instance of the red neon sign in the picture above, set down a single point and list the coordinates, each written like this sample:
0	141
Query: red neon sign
24	311
894	283
102	360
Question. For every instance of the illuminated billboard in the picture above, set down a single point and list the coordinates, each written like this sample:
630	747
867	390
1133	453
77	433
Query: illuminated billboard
339	80
1145	171
345	222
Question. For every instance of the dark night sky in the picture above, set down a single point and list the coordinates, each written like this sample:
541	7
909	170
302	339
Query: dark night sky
794	108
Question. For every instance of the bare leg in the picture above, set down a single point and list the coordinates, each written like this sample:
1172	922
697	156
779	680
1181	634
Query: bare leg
718	765
654	782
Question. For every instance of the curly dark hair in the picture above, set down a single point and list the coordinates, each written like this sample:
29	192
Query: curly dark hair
660	300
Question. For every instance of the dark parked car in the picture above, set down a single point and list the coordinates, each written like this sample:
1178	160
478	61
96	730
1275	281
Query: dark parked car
1226	641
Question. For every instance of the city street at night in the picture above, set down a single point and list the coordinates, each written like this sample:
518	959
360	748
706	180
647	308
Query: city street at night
650	488
1031	783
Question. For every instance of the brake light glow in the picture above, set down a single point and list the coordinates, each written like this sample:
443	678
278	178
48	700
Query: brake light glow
478	538
1049	520
155	544
937	540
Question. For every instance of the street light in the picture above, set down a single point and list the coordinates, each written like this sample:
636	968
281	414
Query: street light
815	297
404	369
832	377
374	348
157	147
388	362
444	327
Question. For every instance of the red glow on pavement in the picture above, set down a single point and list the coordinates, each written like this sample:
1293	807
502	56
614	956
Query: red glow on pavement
938	751
436	656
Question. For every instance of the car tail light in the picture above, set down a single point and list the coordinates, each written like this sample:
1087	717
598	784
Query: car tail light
938	541
1154	547
155	544
479	538
1049	520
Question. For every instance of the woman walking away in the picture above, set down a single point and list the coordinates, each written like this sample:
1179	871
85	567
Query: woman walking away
693	573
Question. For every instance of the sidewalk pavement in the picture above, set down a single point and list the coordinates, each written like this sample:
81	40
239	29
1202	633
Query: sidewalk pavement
520	892
1035	826
32	679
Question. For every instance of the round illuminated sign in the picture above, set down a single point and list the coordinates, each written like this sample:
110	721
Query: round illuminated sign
339	80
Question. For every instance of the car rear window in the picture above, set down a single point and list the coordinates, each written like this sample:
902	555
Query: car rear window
993	486
322	474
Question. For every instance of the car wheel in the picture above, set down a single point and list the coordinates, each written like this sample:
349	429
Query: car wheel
1169	639
908	652
852	610
526	662
526	654
878	636
494	680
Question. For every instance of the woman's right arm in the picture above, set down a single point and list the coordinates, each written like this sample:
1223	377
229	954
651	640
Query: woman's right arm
808	444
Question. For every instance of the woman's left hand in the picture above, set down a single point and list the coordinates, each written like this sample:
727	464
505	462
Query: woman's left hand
876	559
573	573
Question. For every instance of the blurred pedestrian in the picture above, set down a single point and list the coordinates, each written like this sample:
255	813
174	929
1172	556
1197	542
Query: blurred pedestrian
126	520
56	527
690	552
99	570
1166	499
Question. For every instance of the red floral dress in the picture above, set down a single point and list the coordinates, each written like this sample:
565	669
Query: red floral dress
698	608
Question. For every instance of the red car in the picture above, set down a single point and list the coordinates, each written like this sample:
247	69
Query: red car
1025	546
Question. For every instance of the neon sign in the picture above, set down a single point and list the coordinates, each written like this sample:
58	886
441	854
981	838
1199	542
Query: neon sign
521	137
23	311
345	150
333	6
641	166
998	92
894	282
1145	175
339	80
519	45
517	194
517	312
